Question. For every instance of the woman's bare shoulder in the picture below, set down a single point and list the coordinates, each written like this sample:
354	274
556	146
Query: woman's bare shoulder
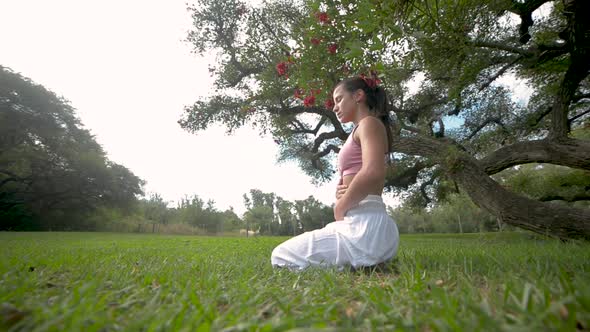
370	124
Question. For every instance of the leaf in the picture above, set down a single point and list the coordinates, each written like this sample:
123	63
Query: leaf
355	49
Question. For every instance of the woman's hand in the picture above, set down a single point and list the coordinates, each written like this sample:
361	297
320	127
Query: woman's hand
341	190
338	212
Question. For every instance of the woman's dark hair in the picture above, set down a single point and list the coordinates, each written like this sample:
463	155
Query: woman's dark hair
376	100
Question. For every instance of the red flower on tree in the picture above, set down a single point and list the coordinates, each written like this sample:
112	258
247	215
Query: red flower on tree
282	68
329	104
309	101
332	48
323	17
316	41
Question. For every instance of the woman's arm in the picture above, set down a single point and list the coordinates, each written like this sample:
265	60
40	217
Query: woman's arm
373	140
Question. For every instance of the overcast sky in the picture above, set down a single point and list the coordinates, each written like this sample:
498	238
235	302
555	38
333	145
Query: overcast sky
125	68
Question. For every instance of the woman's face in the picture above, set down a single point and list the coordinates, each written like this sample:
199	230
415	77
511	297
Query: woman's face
344	104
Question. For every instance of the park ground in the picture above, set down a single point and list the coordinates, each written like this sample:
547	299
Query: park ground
149	282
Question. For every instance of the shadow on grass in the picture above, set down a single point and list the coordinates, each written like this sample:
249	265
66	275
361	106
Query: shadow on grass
387	268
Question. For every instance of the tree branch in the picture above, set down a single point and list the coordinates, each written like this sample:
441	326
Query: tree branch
441	131
573	198
319	125
577	98
7	180
499	73
322	137
13	177
316	156
324	152
536	117
517	210
489	195
269	29
408	177
502	47
525	11
570	121
316	110
230	48
300	128
484	124
426	184
569	152
243	74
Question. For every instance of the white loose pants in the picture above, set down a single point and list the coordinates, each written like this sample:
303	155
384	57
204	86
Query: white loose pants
367	236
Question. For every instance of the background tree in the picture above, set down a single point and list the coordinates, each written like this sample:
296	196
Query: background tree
53	174
547	183
313	214
457	214
270	214
289	224
154	211
192	215
198	213
231	221
260	215
278	62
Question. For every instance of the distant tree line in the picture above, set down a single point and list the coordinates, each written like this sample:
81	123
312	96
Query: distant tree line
266	214
270	214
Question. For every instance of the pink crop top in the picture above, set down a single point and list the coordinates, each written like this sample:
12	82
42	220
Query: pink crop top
350	158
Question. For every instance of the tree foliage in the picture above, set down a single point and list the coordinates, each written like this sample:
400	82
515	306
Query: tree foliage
279	61
549	183
457	214
53	173
270	214
313	214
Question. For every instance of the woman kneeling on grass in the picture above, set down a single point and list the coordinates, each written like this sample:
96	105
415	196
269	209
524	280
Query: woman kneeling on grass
363	234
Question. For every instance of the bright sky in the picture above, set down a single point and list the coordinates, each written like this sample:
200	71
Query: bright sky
125	68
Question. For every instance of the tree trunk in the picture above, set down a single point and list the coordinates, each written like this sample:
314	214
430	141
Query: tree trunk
541	217
577	35
544	218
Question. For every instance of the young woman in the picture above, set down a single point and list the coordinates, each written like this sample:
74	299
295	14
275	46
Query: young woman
363	234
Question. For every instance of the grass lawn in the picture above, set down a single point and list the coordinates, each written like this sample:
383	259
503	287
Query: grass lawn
132	282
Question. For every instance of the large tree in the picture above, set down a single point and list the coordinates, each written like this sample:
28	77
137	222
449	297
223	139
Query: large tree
53	173
277	63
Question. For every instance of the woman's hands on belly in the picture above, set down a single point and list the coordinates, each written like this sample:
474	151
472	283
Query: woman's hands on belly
341	189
